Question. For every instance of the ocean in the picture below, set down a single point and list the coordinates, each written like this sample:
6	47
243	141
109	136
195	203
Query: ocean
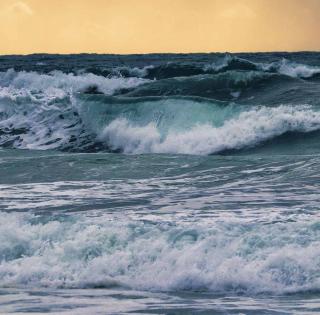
160	184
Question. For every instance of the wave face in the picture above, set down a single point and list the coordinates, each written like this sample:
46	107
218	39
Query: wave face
192	105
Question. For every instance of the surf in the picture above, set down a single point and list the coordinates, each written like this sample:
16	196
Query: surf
199	106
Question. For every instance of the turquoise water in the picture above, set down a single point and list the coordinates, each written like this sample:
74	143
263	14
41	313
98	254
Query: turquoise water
168	185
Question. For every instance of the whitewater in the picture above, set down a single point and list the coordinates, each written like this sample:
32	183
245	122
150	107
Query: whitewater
160	184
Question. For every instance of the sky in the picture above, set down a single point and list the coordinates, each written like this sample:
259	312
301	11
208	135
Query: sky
146	26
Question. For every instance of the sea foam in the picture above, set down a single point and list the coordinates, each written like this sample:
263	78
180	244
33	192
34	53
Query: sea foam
82	252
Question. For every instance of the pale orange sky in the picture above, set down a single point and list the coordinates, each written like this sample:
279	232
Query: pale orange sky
143	26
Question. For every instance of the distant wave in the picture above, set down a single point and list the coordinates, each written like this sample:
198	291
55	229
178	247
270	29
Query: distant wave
227	63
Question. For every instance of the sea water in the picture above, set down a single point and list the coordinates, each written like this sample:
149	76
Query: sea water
160	184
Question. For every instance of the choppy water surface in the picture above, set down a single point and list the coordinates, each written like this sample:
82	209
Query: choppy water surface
160	184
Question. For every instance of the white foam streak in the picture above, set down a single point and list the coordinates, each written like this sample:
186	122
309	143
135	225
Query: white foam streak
59	82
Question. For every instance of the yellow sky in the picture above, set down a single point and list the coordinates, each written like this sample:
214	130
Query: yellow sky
142	26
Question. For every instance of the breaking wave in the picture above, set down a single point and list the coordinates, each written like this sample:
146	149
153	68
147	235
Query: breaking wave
188	112
248	129
143	125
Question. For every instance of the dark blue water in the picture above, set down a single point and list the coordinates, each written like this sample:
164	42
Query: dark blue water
160	184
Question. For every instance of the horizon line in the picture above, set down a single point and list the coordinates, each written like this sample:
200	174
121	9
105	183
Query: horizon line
162	53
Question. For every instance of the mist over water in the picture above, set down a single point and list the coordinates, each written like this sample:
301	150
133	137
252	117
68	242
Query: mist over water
160	183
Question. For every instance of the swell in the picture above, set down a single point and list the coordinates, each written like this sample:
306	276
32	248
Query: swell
192	67
224	64
232	79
